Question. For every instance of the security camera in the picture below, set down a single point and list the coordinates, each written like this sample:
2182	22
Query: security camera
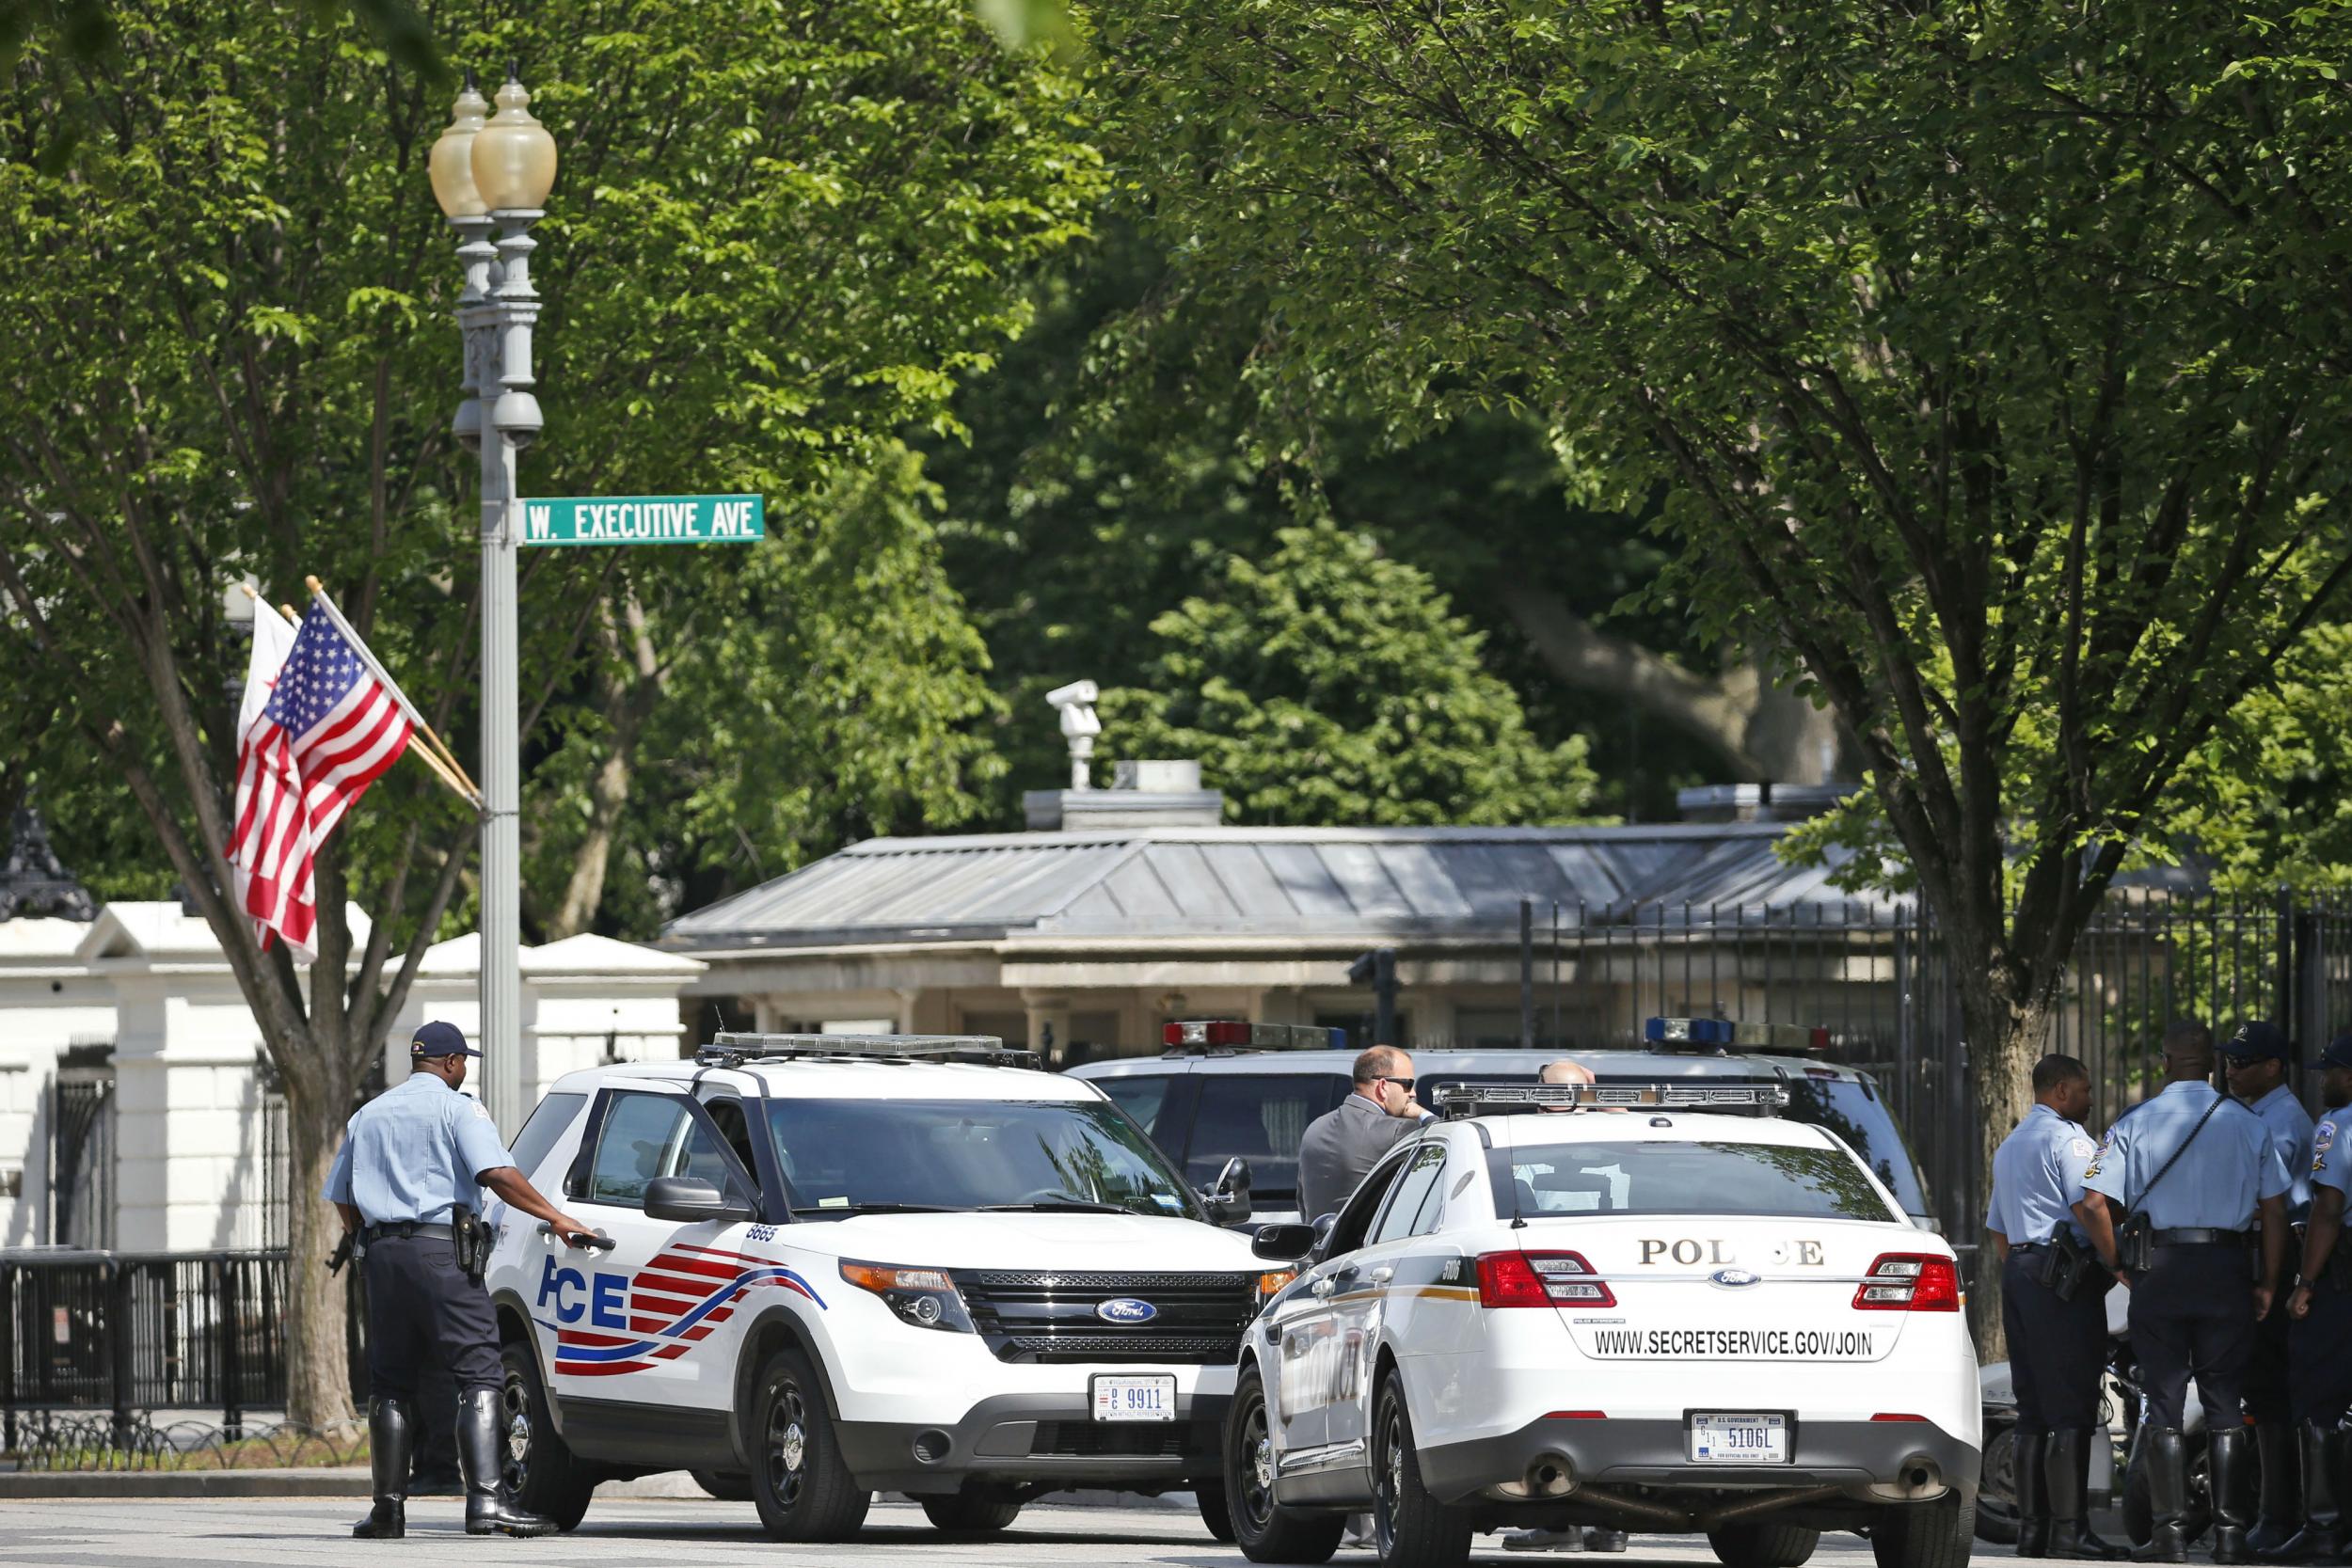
1076	694
1079	727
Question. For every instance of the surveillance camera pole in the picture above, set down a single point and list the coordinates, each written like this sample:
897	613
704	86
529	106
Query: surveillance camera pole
1378	969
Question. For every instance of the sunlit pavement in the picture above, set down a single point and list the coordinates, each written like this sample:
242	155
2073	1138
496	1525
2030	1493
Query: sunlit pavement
313	1531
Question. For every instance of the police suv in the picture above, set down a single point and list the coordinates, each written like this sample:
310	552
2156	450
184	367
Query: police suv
1224	1089
1656	1306
838	1265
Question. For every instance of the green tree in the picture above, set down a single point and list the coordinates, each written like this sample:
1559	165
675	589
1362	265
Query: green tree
1988	358
782	232
1328	685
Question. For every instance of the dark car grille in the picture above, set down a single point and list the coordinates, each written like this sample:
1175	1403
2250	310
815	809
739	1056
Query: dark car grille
1101	1439
1051	1317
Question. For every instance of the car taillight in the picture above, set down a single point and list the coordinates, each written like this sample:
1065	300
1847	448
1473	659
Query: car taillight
1539	1280
1908	1282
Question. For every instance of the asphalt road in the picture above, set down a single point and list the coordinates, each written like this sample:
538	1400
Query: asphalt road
309	1533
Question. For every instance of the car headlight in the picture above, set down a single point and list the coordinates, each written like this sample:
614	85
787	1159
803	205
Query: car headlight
927	1298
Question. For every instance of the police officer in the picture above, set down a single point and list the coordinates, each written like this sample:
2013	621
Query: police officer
1340	1146
406	1178
2053	1308
2320	1314
2255	1060
2190	1171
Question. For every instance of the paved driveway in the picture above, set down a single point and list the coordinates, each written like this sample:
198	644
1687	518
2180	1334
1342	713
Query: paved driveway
312	1533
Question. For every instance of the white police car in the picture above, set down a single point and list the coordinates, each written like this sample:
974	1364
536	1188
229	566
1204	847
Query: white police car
1688	1317
844	1265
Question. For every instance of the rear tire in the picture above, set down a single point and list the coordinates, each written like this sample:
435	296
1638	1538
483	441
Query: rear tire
1763	1545
970	1513
540	1474
1413	1530
1215	1513
1936	1534
1997	1493
727	1488
803	1490
1263	1529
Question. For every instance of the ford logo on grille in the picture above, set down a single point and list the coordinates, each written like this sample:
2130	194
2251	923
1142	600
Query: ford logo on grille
1733	1279
1126	1309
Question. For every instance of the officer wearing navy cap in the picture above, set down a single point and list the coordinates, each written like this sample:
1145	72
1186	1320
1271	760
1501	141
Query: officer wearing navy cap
2255	1060
2193	1174
2053	1311
2320	1313
406	1181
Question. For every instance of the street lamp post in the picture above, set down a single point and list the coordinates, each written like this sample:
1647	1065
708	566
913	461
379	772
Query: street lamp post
491	177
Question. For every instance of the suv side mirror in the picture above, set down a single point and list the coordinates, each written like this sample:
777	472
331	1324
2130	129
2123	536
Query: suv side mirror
1229	1199
1283	1244
688	1199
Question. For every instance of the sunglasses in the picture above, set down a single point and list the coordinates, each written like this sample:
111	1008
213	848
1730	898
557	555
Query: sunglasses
1404	1084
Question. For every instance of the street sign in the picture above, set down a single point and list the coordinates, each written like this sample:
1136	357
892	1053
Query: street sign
645	520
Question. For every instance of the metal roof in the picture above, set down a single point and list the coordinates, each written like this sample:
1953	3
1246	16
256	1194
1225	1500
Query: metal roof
1297	883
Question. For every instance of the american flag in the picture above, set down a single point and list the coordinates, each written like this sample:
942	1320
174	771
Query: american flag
326	730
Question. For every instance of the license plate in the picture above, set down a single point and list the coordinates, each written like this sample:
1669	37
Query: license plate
1135	1398
1722	1437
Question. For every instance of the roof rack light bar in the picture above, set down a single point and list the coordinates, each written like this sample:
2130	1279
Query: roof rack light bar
731	1047
1728	1034
1225	1033
1469	1099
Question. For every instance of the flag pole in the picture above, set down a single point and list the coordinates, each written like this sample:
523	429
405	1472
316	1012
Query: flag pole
318	592
425	753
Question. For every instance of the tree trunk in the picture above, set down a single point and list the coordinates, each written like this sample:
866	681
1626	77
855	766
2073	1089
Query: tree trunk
2006	1026
627	703
318	1368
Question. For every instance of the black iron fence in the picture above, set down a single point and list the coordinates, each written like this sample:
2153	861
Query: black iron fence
129	1333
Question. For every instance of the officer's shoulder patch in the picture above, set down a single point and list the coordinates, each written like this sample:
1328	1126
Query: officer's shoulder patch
2082	1148
480	1110
2323	1135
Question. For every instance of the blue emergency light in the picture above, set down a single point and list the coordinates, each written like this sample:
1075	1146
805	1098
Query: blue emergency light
1725	1033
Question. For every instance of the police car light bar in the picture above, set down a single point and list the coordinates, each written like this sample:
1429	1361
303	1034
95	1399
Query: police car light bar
730	1048
1224	1034
1724	1032
1469	1099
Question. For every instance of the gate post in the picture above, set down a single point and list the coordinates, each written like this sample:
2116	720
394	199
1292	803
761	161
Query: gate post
122	1359
232	1362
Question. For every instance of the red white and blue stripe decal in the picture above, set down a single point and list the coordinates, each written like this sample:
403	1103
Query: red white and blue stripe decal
676	1301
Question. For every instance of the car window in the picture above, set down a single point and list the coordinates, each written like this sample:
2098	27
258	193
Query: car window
1261	1117
549	1121
1355	1215
1415	1196
735	1128
649	1135
1851	1108
1718	1178
1144	1098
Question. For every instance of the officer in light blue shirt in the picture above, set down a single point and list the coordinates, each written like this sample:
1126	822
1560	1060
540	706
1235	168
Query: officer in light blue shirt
2319	1343
2199	1171
2255	1058
2055	1315
407	1182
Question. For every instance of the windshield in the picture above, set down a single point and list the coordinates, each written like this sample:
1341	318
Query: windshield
843	1156
1720	1179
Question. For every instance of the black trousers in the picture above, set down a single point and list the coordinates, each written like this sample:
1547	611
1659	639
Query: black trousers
2267	1396
2193	1316
418	1300
2056	1349
2319	1357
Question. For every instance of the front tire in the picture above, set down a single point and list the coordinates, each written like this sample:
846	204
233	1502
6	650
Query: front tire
1764	1546
1997	1493
541	1475
726	1487
803	1490
1215	1513
973	1511
1924	1535
1263	1529
1412	1529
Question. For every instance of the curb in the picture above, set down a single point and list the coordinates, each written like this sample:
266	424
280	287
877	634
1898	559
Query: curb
320	1483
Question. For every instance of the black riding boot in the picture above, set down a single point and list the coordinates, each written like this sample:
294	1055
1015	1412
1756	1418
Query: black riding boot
2226	1453
2069	1474
479	1441
2166	1464
2321	1540
390	1439
2276	1521
2033	1495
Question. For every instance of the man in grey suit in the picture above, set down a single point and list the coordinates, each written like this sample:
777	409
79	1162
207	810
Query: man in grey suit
1344	1143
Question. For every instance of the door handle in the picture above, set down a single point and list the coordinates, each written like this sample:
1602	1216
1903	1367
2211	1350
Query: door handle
1320	1288
1382	1275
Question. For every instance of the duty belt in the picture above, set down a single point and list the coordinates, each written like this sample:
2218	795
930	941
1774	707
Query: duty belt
2202	1238
371	1234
